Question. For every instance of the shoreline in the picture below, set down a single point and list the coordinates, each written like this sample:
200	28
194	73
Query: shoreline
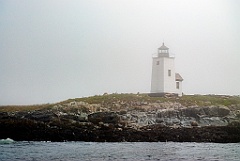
126	118
26	130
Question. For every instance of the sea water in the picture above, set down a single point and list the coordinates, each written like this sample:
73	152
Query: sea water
34	151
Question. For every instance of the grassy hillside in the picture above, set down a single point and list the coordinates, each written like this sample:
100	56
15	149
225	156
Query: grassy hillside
186	100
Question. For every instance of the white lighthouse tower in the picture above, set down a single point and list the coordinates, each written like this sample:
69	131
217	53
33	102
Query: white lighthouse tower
164	78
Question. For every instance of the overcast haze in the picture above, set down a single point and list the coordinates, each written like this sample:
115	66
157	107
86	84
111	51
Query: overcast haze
54	50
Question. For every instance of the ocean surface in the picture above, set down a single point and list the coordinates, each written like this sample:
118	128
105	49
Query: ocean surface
34	151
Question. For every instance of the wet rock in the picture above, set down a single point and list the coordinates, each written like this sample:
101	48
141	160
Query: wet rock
194	123
4	115
191	112
159	120
219	111
167	113
83	117
27	129
235	123
43	116
105	117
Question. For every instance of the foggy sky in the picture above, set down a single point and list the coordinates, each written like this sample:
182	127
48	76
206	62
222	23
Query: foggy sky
54	50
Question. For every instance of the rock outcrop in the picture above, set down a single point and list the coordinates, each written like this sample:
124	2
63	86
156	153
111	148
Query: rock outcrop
125	119
105	117
25	129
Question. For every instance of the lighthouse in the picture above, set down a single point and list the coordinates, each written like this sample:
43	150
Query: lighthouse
164	78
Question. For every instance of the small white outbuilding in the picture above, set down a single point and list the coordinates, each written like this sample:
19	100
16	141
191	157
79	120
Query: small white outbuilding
164	78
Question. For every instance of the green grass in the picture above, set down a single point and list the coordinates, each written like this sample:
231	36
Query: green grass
24	108
204	100
116	97
186	100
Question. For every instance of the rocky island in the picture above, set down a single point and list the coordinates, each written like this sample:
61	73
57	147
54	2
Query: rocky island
126	117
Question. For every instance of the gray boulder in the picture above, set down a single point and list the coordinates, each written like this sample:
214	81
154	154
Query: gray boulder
105	117
216	111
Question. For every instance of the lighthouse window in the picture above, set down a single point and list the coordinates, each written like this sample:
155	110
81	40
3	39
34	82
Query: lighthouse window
177	85
169	73
157	62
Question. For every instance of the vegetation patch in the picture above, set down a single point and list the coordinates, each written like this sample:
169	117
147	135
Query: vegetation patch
108	100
